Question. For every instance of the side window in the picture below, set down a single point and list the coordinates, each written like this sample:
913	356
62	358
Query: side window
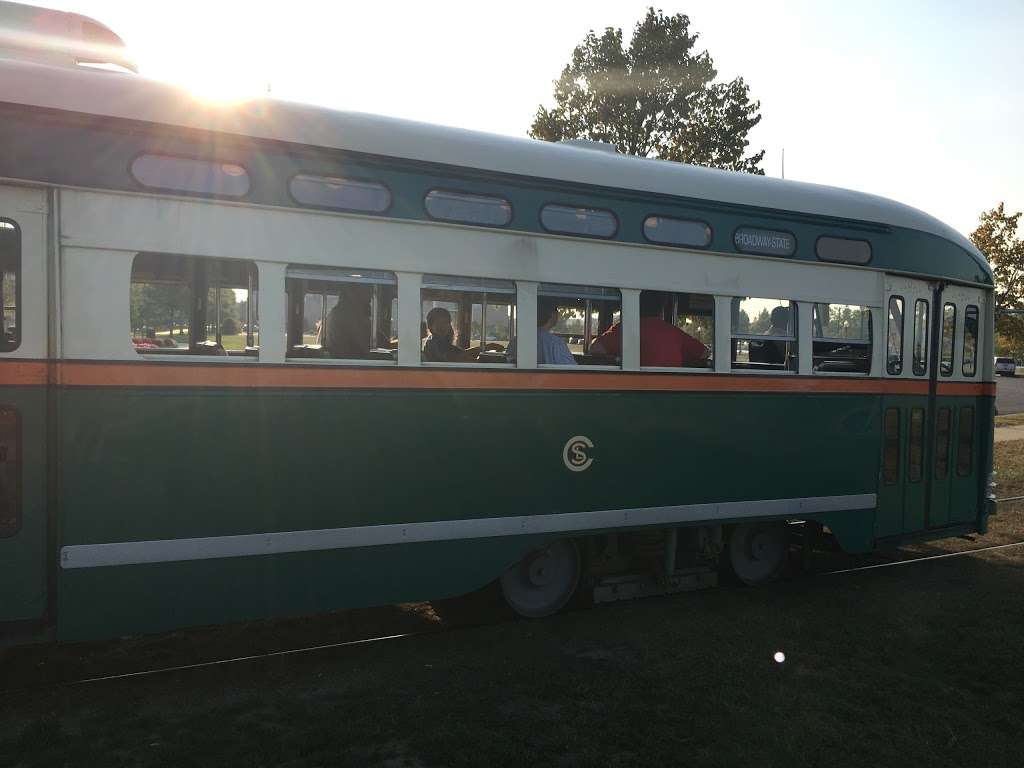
589	222
965	442
10	274
485	210
942	443
894	343
915	446
342	314
666	230
948	334
571	318
340	194
184	305
970	354
843	250
468	320
187	174
677	330
10	472
891	454
920	366
764	334
841	338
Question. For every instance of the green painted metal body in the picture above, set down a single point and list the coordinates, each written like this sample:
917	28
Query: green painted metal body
24	556
155	464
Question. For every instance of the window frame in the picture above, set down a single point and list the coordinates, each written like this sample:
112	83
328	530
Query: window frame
867	344
6	347
923	371
357	180
194	158
562	233
891	446
943	433
710	359
17	430
952	341
817	250
794	339
189	355
580	291
977	336
499	286
467	193
668	244
335	275
915	441
965	442
902	337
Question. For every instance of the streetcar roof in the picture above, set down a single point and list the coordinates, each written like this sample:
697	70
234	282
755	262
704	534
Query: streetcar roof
130	97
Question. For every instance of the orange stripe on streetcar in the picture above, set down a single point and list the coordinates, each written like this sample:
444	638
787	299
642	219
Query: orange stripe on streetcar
253	376
22	373
246	376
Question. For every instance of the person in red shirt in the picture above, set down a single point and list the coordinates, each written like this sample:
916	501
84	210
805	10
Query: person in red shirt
661	344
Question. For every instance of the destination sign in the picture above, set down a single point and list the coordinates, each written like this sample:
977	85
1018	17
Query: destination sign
764	241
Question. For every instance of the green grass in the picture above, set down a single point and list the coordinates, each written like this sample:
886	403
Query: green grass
912	665
231	342
917	665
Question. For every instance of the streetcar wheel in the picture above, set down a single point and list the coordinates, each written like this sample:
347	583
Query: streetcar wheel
544	581
758	551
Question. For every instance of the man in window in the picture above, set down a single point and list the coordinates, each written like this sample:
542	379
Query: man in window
551	349
661	343
348	323
439	346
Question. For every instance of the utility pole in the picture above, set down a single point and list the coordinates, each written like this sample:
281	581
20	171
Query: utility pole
783	162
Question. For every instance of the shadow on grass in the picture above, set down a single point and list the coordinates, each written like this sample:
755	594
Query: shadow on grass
911	665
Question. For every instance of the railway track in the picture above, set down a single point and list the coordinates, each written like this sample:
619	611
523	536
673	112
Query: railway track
213	663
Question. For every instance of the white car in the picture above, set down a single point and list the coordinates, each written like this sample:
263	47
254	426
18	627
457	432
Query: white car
1006	366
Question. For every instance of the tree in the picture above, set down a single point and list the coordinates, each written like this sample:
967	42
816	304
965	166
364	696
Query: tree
655	98
762	323
158	305
229	326
996	237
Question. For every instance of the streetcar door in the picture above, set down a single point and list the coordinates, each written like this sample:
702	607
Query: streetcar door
959	410
23	407
903	479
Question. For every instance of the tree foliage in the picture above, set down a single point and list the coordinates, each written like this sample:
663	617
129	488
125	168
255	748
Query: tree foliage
654	98
996	237
157	306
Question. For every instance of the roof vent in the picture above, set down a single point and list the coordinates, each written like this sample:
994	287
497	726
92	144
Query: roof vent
594	146
58	38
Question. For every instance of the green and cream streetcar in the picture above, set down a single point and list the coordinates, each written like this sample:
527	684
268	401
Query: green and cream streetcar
215	403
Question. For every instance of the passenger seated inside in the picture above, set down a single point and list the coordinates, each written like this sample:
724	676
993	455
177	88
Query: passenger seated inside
661	343
347	332
773	352
439	346
551	349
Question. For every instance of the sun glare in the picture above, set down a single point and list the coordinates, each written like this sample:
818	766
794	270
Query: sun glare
217	81
222	87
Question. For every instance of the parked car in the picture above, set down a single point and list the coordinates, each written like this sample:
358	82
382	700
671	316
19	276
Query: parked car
1006	366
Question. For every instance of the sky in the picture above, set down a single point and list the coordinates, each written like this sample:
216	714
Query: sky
917	101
